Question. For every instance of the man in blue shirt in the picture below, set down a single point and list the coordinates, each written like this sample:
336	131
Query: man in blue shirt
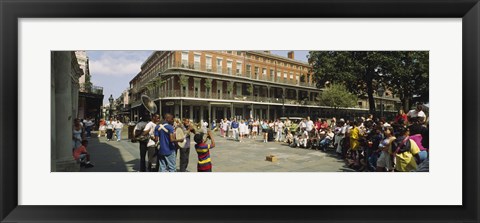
166	153
235	128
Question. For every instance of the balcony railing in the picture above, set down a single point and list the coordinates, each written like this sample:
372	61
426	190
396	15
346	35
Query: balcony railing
239	73
88	88
225	96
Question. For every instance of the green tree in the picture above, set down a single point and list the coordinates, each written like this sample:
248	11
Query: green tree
359	71
337	96
407	76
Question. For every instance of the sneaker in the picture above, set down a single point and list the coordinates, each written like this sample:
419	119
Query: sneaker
89	165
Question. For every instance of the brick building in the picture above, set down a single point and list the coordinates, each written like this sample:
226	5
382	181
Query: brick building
207	85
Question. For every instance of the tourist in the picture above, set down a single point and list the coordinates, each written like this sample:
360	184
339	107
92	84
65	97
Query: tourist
417	112
303	139
235	129
354	142
225	128
187	128
152	143
401	117
309	125
289	137
303	125
265	131
102	128
88	126
165	134
280	126
78	134
384	162
325	142
81	155
142	138
242	127
255	129
118	125
405	151
340	135
288	124
109	129
203	151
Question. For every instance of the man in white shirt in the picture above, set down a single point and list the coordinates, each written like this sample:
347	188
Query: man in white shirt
152	145
280	126
417	113
88	126
142	144
303	125
309	124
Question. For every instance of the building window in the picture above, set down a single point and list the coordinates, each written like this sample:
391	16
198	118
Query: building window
239	68
196	61
239	53
360	104
257	70
208	62
229	67
185	59
196	92
264	73
230	52
219	65
285	75
272	74
249	70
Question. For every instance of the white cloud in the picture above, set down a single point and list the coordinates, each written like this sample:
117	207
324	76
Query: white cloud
117	63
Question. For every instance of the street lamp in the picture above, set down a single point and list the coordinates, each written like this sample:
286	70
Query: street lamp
110	99
380	92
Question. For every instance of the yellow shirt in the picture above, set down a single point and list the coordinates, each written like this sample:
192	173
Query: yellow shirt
354	136
405	162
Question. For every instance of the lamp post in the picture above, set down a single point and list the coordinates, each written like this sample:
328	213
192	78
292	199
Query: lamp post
380	92
110	99
283	104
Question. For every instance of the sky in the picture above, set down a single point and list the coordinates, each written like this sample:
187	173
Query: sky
113	70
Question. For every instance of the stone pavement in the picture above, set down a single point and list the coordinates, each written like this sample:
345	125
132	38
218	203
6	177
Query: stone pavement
227	156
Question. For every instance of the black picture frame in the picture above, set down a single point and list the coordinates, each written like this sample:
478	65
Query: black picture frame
11	11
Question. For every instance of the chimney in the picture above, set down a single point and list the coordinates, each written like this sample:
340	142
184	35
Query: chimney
291	55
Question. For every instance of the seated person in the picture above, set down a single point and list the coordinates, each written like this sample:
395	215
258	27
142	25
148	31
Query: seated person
289	138
327	139
303	139
81	155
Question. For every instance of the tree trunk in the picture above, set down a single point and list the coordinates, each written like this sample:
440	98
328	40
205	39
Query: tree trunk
371	100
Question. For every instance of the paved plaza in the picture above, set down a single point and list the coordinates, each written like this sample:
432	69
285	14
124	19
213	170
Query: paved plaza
227	156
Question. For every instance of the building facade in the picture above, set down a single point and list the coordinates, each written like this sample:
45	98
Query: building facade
64	104
90	96
210	85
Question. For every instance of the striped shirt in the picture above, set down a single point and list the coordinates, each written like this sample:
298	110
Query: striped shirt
204	161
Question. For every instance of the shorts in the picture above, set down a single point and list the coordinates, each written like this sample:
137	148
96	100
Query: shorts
385	161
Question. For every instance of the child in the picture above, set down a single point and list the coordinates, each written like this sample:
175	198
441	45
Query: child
203	151
80	154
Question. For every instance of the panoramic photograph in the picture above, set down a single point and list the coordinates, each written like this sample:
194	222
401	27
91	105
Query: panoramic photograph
240	111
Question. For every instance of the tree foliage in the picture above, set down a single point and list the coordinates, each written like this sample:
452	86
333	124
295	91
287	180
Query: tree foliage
406	73
337	96
407	76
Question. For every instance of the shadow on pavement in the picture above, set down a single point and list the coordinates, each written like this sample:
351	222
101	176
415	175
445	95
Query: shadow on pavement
105	157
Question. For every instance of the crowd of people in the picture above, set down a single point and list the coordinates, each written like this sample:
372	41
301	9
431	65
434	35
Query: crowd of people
365	143
163	139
